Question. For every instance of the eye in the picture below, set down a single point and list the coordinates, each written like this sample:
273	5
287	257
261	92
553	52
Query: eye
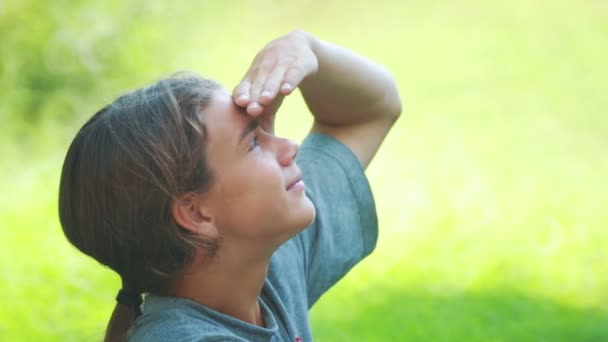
254	143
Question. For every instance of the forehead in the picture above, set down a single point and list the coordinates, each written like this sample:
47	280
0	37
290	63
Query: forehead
223	119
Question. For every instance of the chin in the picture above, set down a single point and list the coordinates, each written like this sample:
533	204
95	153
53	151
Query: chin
308	214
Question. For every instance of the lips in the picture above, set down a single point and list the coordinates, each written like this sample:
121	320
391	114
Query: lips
294	181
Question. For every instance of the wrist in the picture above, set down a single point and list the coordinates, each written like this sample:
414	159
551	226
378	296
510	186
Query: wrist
314	43
310	40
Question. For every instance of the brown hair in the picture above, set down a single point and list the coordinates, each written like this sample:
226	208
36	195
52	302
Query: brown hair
120	176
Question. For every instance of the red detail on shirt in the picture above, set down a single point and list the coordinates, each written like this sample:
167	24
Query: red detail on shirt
298	339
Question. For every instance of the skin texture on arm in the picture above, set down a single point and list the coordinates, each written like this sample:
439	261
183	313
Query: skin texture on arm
353	99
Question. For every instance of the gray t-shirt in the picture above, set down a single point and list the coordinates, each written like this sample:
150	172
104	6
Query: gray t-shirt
301	270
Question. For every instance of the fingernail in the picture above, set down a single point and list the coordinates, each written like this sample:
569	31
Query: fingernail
286	87
254	105
265	93
242	98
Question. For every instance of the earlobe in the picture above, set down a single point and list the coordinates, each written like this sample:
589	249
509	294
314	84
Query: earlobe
190	214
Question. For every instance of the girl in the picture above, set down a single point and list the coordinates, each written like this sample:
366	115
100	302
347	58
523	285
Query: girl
231	232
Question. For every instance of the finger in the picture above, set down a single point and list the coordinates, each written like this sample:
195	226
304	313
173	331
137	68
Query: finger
272	84
241	93
293	77
259	78
273	107
254	109
286	88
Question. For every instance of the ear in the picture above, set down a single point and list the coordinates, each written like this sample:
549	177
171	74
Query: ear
190	213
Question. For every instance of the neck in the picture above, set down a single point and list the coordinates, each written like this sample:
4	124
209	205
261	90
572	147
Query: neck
229	283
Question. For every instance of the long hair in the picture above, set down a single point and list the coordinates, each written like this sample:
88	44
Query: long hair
120	176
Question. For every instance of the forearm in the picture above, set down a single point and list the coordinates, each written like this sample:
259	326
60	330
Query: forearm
353	99
348	88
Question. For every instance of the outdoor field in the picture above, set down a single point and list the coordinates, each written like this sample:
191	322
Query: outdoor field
491	190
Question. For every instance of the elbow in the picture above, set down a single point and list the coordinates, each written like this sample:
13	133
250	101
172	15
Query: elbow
395	107
392	101
388	109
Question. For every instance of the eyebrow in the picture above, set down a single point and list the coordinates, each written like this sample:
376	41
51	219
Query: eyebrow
251	126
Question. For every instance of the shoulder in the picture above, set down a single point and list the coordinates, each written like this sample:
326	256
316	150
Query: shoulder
336	182
178	324
345	228
318	144
326	161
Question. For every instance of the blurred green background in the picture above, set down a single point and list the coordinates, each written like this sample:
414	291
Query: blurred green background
491	189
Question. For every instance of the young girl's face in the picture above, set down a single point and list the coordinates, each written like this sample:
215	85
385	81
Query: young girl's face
252	197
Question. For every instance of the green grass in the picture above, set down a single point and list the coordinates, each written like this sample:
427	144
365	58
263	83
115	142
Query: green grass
491	189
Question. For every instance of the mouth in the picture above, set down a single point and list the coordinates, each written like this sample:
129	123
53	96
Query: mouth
295	182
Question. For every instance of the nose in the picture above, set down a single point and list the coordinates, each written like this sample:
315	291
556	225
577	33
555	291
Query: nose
287	151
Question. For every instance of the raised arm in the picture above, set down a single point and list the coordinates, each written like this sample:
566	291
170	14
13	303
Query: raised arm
353	99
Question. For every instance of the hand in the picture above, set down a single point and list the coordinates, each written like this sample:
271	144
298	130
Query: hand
275	72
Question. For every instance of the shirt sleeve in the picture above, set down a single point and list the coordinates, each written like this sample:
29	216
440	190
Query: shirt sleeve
345	228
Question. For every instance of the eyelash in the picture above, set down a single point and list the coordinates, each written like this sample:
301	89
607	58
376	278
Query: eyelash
254	143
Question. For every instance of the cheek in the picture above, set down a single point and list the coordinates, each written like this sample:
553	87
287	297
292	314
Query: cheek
251	193
255	179
262	188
